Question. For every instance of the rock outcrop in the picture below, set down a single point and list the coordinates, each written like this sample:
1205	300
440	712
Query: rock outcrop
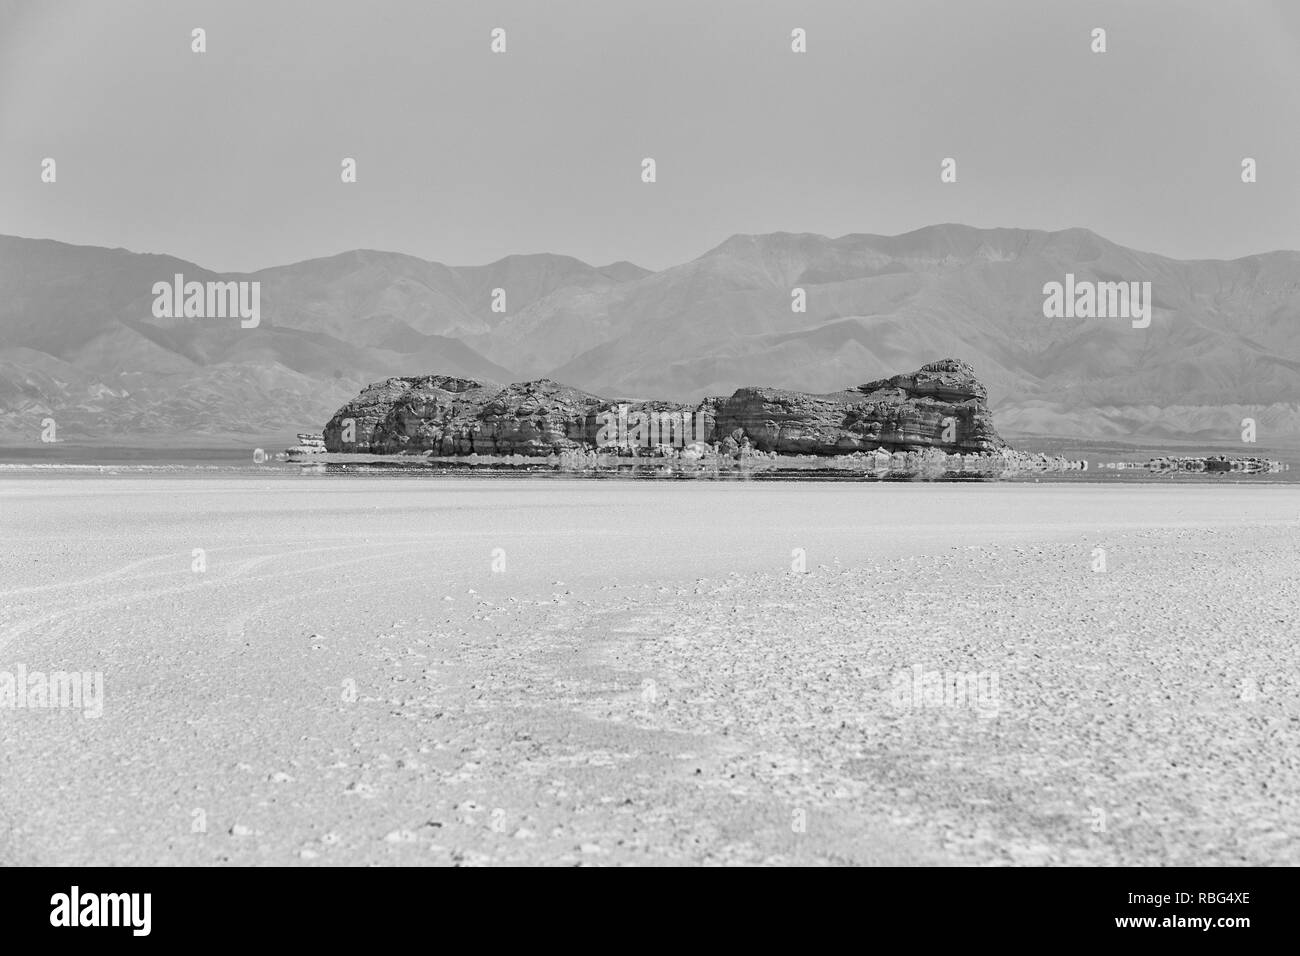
940	406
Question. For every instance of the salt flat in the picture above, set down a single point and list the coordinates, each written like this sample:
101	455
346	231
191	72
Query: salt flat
416	671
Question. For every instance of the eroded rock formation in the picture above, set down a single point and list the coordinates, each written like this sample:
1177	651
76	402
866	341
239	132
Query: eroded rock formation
941	406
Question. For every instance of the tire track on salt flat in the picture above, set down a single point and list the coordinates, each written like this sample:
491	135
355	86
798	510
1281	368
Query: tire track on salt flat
181	556
16	631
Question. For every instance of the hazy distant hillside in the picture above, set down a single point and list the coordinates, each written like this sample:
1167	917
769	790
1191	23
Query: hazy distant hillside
1223	335
78	341
79	344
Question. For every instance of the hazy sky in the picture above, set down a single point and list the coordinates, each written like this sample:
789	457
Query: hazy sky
231	158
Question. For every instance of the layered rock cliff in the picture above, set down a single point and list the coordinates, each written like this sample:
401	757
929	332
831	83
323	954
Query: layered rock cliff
941	405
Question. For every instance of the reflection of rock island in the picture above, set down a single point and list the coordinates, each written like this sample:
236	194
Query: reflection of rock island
1213	465
931	423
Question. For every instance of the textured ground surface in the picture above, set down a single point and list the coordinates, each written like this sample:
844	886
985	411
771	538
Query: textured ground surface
647	680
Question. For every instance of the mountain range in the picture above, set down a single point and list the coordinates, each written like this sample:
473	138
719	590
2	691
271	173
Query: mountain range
79	342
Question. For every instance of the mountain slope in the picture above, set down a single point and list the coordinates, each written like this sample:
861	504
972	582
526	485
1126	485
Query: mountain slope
1223	335
79	343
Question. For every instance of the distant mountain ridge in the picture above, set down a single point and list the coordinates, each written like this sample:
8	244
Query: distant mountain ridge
79	343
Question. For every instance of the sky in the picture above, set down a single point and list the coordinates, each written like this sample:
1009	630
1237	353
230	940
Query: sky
231	158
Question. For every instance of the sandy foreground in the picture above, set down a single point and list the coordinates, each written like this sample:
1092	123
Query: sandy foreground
416	671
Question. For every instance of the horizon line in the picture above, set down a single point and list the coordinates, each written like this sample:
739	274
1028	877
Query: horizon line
616	262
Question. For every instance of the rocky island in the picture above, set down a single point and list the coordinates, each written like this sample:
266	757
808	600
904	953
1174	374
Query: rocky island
934	422
942	405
